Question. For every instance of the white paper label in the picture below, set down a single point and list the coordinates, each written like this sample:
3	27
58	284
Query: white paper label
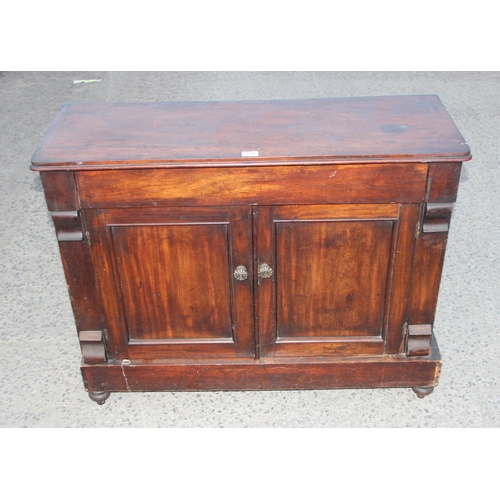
249	153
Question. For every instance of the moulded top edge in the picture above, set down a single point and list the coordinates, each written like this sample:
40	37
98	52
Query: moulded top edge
367	129
264	162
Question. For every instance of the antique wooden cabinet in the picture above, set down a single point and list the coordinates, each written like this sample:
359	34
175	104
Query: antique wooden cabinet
294	244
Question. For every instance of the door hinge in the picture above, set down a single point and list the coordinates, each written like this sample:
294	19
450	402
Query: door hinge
87	238
417	229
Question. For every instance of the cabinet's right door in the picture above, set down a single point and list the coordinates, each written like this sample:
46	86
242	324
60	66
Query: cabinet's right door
337	278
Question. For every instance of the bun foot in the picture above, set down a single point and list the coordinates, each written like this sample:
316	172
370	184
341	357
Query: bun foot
99	397
421	392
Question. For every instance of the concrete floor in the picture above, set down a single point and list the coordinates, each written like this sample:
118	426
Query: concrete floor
40	381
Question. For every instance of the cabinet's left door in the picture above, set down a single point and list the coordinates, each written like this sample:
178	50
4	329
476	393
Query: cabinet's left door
174	282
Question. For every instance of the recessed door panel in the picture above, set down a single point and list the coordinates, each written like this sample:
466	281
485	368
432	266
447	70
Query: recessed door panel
332	277
174	280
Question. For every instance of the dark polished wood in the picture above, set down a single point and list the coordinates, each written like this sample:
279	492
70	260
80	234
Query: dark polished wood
419	340
68	226
225	186
437	217
443	182
442	186
163	270
427	269
165	279
254	245
333	278
267	374
80	280
352	129
93	347
62	200
60	191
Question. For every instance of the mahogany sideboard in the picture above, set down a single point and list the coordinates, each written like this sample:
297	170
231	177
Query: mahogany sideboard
247	245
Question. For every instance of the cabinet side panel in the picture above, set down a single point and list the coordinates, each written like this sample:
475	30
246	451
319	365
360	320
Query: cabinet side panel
80	279
60	191
427	271
78	269
442	187
443	182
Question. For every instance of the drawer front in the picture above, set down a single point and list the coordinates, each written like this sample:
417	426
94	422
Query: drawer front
146	187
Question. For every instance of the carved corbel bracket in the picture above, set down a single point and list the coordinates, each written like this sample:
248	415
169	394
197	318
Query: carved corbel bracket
93	347
68	225
437	217
419	340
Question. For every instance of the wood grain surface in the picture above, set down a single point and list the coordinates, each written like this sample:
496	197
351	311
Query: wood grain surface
165	279
365	183
292	373
353	129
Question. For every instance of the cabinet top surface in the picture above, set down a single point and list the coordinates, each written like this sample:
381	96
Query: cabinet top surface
340	130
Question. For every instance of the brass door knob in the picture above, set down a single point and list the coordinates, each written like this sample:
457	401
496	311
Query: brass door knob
265	271
240	273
